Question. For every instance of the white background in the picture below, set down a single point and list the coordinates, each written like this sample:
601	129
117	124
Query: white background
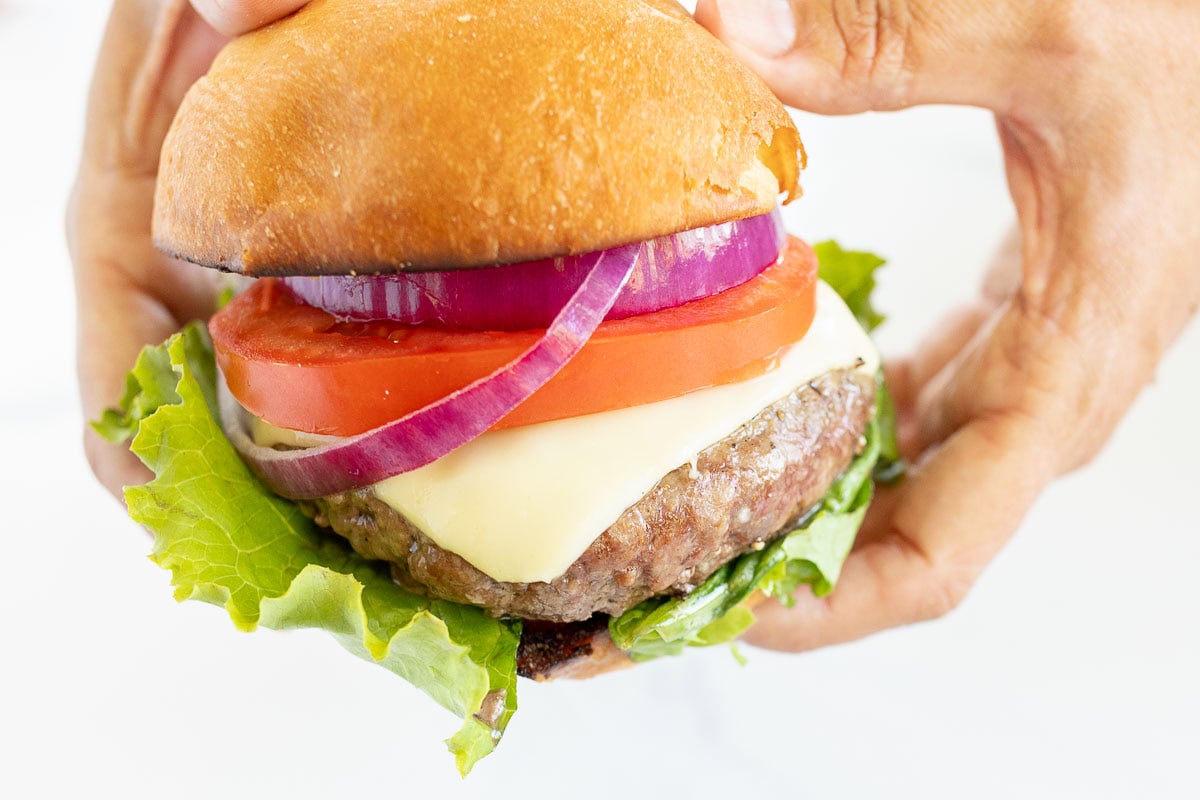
1071	671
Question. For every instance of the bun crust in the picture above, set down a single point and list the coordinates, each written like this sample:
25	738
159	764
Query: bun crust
387	135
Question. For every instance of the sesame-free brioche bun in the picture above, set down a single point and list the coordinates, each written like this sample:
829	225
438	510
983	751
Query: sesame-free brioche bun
385	135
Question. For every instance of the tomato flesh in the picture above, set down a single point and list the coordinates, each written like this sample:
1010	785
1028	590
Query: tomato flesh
298	367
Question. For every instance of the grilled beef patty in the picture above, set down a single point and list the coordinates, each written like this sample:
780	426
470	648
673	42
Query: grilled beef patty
742	492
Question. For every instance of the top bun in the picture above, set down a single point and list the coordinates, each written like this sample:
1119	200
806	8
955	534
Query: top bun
377	136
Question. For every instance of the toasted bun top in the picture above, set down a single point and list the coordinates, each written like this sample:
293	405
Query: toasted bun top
384	135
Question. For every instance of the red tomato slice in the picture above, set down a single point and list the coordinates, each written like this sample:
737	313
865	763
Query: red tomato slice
297	367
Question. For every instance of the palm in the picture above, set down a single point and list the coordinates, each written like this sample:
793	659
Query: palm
128	294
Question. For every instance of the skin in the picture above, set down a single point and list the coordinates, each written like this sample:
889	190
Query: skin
1096	113
129	294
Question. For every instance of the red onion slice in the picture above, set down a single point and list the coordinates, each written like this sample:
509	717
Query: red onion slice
426	435
673	270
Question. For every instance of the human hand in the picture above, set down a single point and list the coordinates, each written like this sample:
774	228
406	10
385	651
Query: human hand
1096	111
127	293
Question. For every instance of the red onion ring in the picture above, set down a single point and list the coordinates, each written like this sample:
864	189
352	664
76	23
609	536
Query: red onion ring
430	433
673	270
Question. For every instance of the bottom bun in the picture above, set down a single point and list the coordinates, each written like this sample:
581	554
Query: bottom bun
576	650
573	650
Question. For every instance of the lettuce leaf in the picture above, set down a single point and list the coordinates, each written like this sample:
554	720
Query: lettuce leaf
851	273
228	540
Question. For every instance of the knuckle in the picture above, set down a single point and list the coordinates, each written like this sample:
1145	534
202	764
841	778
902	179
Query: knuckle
940	580
1066	28
1028	356
1028	382
876	45
1074	39
1060	373
946	587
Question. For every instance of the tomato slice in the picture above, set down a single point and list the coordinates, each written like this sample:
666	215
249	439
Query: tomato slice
298	367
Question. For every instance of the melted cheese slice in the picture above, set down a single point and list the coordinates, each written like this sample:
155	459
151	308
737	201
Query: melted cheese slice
522	504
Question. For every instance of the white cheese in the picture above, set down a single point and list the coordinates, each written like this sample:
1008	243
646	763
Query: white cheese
523	504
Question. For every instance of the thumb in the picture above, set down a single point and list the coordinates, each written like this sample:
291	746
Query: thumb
847	56
233	17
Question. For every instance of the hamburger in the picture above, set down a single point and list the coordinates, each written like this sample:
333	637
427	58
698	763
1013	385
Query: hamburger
527	377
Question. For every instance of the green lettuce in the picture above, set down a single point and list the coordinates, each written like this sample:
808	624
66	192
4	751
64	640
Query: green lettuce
851	273
228	540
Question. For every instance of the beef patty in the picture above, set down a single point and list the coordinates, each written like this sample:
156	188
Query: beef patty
741	492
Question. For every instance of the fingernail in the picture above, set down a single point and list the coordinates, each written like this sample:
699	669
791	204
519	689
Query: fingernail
767	27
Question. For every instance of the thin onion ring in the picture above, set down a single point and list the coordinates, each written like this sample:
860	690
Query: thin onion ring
673	270
430	433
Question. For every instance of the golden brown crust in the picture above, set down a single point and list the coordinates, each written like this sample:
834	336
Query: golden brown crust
382	135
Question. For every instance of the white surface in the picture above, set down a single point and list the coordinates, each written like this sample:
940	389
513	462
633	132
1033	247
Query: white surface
1069	672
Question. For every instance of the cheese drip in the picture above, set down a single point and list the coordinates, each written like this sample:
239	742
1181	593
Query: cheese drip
522	504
